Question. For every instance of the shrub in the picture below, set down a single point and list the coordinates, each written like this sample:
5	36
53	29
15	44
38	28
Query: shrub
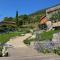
57	51
27	31
0	51
45	51
27	42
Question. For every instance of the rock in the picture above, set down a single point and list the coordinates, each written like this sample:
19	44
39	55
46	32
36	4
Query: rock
4	51
56	39
41	45
33	36
22	34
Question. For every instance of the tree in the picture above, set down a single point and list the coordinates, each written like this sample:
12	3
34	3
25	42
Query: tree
59	15
55	17
24	19
5	19
8	19
17	19
37	18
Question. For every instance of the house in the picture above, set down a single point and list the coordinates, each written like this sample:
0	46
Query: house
7	22
7	25
56	25
52	10
45	23
45	20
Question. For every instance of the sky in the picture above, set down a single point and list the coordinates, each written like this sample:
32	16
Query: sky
9	7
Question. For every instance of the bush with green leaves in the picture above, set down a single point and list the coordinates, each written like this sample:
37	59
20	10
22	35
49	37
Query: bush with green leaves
56	50
45	51
28	41
1	51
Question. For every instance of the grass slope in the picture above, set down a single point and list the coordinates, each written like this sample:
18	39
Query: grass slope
48	35
5	37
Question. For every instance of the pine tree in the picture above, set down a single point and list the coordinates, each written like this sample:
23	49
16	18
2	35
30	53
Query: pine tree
17	19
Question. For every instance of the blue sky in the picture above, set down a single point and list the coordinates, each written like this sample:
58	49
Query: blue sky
9	7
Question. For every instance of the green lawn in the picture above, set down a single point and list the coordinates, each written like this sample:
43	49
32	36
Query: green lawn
5	37
48	35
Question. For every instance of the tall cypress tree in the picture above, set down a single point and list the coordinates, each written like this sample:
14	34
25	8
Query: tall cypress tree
17	19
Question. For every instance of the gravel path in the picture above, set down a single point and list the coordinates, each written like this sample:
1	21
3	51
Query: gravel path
19	48
18	41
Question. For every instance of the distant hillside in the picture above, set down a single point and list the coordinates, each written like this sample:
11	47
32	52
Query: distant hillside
39	13
43	11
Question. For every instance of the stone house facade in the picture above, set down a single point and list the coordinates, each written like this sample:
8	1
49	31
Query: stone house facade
52	10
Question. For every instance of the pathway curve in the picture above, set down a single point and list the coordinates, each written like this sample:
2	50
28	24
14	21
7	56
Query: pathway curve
19	48
17	42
